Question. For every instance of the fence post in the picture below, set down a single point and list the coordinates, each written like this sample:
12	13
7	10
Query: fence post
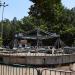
39	72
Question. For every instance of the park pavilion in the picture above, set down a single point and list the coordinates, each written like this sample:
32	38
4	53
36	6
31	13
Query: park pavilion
36	37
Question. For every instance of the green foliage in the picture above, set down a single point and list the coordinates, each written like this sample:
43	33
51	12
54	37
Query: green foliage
27	23
1	41
48	15
49	10
57	18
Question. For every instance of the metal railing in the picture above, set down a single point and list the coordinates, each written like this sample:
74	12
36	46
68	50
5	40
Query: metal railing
22	70
57	72
14	70
10	67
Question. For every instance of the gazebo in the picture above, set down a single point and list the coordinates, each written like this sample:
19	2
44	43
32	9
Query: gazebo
36	37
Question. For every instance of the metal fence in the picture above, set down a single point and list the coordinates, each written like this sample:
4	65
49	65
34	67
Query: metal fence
9	65
22	70
57	72
14	70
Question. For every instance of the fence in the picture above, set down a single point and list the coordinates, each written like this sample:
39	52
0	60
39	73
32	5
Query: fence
9	57
22	70
57	72
14	70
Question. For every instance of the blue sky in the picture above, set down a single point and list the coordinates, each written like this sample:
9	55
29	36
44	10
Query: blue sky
19	8
69	3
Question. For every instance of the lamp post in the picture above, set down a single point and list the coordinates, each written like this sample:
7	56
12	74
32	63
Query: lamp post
2	5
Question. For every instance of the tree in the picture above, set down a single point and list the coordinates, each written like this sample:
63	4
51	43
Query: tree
48	10
57	18
6	31
27	23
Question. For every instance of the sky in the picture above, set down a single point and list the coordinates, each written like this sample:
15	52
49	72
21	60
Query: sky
68	3
20	8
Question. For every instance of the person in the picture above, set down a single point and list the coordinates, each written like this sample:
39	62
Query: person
53	50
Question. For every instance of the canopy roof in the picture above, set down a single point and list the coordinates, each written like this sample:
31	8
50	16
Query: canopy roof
37	34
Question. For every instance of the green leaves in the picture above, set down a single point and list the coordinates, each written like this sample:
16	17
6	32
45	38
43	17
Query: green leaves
48	15
1	41
48	10
57	18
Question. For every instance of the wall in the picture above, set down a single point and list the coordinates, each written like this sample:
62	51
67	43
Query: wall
39	60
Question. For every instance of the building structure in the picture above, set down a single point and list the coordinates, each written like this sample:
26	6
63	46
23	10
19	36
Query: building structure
36	37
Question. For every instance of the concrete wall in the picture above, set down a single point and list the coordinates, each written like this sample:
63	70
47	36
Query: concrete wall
39	60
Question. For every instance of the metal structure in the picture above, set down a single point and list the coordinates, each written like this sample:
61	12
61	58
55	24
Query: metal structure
37	35
22	70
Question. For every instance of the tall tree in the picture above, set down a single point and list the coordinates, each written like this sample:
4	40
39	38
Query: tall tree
6	31
49	10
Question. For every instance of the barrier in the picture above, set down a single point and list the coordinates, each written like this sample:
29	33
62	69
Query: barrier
22	70
35	58
11	70
57	72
